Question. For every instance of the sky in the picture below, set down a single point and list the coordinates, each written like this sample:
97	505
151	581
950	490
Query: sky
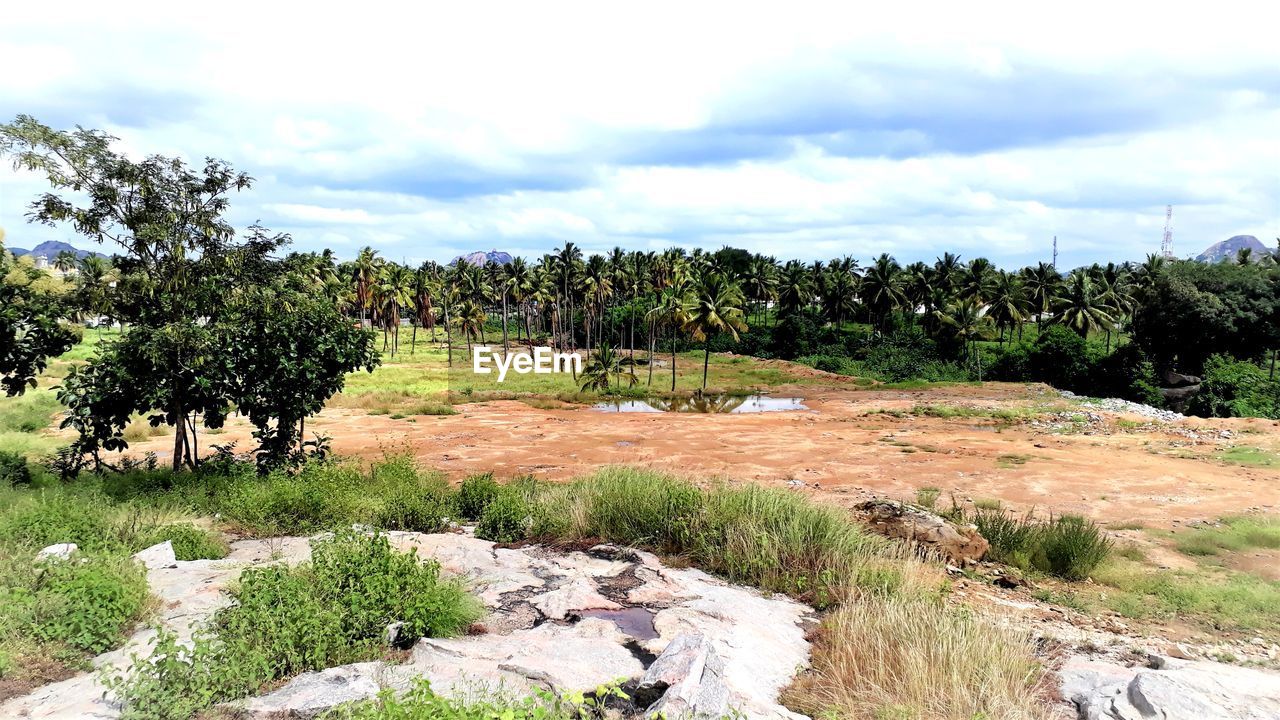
798	130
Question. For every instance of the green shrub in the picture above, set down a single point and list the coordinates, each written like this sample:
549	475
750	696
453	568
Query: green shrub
1235	388
90	602
1068	546
14	469
189	542
507	518
1061	358
475	494
1073	546
421	702
283	621
320	496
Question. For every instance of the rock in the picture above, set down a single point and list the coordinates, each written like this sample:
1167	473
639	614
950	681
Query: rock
685	681
1178	689
1179	651
1173	379
61	551
1177	398
958	543
313	693
395	636
157	556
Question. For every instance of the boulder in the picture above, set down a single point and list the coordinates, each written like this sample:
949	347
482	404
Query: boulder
958	543
1173	379
1177	398
61	551
313	693
1176	689
685	681
157	556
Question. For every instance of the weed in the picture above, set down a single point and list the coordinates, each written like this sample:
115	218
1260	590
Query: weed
190	542
927	497
1068	546
475	494
506	518
1232	534
88	602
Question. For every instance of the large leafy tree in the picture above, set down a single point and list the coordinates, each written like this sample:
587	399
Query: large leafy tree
30	328
185	281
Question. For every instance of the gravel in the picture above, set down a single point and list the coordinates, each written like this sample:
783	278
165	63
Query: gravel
1125	406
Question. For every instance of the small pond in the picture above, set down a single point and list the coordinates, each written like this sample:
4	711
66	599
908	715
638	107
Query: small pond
704	404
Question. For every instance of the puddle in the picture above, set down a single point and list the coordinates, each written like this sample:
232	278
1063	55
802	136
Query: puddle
635	621
705	404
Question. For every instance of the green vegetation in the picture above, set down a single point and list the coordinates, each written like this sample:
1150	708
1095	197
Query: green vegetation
284	621
1216	598
1068	546
1232	534
421	702
1249	456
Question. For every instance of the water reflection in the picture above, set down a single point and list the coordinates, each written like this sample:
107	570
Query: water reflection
704	404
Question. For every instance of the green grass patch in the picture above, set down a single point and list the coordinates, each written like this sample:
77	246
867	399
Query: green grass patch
1216	598
1068	546
1249	457
1232	534
1011	461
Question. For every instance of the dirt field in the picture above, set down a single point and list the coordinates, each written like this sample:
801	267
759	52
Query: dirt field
1020	444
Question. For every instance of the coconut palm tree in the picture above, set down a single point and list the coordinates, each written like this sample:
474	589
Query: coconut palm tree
364	275
1043	284
1082	307
969	325
672	311
716	307
795	288
471	319
882	290
1008	304
65	261
603	363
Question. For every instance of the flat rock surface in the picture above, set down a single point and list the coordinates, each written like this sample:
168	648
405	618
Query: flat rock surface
536	633
1173	690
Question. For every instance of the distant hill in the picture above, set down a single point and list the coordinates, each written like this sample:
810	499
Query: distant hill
481	258
1229	248
51	248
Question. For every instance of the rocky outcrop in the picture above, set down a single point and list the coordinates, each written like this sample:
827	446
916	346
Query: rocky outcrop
958	543
558	620
1169	689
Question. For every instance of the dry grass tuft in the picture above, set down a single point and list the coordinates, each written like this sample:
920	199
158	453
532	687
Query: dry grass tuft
906	658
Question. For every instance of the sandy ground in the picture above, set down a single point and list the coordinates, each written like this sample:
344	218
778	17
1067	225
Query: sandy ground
843	448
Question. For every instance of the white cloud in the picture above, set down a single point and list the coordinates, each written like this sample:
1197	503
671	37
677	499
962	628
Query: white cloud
821	129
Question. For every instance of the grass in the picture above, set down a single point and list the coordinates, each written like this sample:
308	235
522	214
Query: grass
1068	546
1232	534
894	658
1011	460
1249	457
1214	598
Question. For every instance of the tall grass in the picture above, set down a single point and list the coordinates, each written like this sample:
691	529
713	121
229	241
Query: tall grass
1069	546
896	658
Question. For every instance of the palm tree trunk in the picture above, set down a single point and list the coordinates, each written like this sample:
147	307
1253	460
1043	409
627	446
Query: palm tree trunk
651	333
673	357
506	347
413	343
706	360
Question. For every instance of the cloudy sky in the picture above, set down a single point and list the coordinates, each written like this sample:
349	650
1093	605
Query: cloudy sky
793	129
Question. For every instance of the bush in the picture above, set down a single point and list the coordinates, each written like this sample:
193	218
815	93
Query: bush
475	494
189	542
1236	388
90	602
283	621
84	517
14	469
1068	546
1061	358
1127	373
506	518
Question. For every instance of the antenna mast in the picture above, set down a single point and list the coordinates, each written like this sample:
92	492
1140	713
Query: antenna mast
1055	252
1166	245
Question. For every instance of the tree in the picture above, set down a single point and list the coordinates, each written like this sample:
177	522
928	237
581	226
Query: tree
606	362
672	311
182	277
716	307
30	328
969	325
1082	307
